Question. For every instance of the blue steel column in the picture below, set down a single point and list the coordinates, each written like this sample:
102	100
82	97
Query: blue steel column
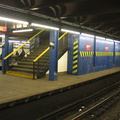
53	65
73	54
10	50
5	52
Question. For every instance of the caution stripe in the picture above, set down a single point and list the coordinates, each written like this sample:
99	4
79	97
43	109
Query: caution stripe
74	71
75	61
75	47
104	53
86	53
75	52
76	42
117	53
75	66
75	57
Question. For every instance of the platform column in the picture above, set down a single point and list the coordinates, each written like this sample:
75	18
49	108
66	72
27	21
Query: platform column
10	50
73	53
5	52
53	63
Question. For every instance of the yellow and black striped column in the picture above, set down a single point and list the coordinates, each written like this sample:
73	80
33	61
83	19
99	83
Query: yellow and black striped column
75	57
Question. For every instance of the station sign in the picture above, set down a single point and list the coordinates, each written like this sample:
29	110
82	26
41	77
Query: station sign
3	28
88	47
106	48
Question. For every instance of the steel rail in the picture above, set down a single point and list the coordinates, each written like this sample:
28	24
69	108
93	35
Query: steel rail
95	106
48	48
24	44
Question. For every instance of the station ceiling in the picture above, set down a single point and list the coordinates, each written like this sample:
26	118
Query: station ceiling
96	15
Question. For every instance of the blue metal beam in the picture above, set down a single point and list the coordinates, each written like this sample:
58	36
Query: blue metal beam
53	64
5	52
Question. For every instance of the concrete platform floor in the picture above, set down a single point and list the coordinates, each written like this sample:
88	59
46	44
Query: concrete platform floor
14	87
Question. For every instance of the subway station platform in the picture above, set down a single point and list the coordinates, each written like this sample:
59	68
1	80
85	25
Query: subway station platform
14	88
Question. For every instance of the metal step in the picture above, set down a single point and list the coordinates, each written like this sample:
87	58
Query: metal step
33	57
29	63
24	70
29	66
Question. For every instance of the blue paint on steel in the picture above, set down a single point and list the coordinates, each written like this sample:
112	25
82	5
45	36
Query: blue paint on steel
113	54
32	45
5	52
117	57
71	39
37	41
110	45
100	59
53	65
10	50
94	55
86	47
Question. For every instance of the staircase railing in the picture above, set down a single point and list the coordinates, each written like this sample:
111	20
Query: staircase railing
21	46
37	59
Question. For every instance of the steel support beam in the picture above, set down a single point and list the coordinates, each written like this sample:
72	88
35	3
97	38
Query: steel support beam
53	65
5	52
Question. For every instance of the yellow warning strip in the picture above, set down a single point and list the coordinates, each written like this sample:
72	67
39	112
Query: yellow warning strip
75	47
117	53
75	66
75	61
75	52
74	71
76	56
86	53
104	53
75	42
18	74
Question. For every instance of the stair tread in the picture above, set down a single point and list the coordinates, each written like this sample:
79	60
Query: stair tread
27	66
21	69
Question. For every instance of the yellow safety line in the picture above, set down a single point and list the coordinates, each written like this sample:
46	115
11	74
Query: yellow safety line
23	44
18	74
48	48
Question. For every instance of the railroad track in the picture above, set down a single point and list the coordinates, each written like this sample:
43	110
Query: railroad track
91	112
64	103
88	108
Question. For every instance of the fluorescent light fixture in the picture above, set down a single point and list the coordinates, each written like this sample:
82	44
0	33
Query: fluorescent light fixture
45	26
13	20
109	39
70	31
100	37
24	42
16	41
3	36
23	30
117	41
87	35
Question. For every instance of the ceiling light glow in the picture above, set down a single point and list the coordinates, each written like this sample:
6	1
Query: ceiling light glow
23	30
70	31
45	26
87	35
13	20
3	36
